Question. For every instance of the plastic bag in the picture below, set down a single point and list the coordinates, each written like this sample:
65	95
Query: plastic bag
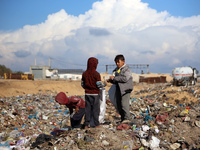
102	97
154	143
42	138
112	96
102	105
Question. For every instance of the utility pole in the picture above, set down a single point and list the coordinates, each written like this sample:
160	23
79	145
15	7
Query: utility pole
106	68
148	69
49	62
35	61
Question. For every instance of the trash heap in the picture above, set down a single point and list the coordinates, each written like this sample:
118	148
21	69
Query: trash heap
162	117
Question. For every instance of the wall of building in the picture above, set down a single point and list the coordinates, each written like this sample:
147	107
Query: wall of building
50	72
67	76
39	72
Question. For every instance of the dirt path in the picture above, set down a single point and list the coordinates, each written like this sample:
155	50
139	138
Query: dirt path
10	88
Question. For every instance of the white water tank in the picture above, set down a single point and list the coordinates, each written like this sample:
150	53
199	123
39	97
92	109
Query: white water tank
182	72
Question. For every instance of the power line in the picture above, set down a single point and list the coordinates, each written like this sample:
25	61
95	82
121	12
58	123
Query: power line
131	66
65	62
108	66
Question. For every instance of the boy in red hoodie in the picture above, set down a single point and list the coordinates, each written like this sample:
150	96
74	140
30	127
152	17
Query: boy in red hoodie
90	82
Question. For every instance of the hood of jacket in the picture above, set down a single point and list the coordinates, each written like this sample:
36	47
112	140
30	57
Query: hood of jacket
92	64
61	98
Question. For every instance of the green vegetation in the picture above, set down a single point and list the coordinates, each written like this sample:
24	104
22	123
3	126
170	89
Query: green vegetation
19	72
4	69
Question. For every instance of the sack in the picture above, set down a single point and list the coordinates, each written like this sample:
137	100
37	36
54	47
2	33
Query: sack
102	99
112	96
102	105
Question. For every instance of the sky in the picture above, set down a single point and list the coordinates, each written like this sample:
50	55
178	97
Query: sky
162	33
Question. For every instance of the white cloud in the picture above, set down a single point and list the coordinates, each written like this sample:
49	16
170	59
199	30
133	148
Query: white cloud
129	27
176	61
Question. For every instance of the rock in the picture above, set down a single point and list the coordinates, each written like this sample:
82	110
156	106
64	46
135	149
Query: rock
187	119
105	143
175	146
197	123
145	143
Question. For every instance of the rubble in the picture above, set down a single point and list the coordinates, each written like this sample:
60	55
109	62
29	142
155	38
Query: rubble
162	117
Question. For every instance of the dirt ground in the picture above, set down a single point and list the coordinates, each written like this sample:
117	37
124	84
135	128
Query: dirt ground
11	87
177	130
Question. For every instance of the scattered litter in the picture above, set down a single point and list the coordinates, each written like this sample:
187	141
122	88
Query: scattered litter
162	117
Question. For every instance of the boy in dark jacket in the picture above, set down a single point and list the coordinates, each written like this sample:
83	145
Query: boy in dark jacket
72	102
91	85
122	77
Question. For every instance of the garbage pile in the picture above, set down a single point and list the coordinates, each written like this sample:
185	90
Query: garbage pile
162	117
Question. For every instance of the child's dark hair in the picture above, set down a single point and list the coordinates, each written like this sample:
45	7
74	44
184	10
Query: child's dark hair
119	57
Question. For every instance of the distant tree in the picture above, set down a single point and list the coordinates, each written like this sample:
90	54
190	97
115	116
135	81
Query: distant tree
4	69
19	72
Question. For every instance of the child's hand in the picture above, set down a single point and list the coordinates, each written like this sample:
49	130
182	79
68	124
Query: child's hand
76	110
101	84
111	77
108	80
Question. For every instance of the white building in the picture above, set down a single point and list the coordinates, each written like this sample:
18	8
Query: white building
50	72
45	72
38	71
68	74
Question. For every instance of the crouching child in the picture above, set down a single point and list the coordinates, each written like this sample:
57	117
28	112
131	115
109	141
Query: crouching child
72	103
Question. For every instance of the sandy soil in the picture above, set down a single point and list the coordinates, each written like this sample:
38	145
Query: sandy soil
10	88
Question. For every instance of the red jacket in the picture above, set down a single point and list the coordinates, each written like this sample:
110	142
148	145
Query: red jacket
75	102
71	102
91	76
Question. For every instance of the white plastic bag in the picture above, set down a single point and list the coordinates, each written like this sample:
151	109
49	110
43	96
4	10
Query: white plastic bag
102	105
102	97
154	143
112	96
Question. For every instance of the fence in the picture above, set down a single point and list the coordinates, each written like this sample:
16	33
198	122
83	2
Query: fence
18	76
161	79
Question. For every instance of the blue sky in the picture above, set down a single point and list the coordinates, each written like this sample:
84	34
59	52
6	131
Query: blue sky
17	13
184	8
36	29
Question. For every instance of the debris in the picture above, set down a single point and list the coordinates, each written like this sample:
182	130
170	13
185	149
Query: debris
105	143
175	146
162	117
